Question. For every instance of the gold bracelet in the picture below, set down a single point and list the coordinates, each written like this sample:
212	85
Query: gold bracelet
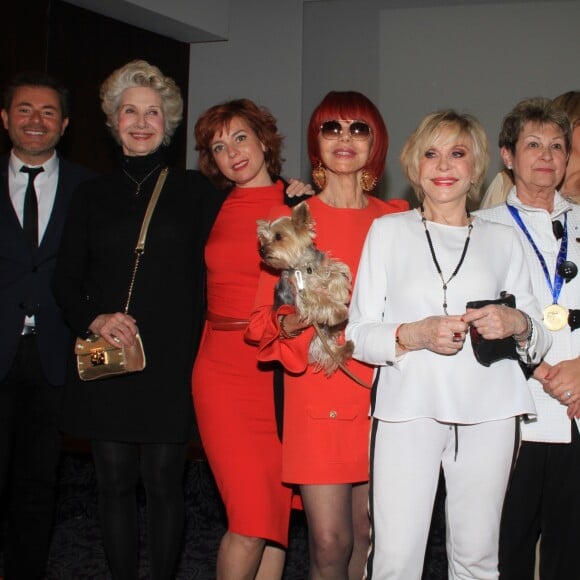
283	332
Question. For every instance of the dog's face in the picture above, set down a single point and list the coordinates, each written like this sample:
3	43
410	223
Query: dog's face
283	241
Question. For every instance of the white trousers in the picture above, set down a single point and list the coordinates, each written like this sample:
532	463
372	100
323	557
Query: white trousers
405	462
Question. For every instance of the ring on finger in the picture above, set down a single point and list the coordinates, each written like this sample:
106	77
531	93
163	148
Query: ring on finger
456	337
568	394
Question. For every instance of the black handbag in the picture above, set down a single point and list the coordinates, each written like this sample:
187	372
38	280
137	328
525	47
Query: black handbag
488	351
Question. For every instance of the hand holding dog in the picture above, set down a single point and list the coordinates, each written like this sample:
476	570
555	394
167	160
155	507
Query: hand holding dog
293	323
317	285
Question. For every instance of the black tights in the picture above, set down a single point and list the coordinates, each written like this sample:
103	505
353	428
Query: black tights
118	467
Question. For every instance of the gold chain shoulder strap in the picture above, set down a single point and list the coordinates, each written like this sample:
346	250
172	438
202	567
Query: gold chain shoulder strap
140	247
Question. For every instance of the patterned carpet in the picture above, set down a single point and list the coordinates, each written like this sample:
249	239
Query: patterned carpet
77	551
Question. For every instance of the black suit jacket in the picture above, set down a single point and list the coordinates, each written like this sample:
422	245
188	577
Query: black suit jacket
24	280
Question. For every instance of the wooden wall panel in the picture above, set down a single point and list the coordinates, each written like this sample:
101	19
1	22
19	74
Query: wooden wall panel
23	42
82	48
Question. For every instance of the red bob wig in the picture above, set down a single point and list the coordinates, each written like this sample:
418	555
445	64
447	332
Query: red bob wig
347	105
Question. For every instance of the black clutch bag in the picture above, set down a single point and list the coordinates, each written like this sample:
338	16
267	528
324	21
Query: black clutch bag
489	351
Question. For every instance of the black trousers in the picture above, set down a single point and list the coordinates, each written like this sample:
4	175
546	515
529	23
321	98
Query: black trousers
30	446
119	466
543	502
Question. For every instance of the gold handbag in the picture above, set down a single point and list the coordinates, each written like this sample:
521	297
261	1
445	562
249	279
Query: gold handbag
97	358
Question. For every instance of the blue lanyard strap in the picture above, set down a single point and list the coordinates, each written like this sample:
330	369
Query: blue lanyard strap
556	288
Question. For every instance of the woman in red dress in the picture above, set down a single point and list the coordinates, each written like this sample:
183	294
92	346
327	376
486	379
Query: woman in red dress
326	420
239	150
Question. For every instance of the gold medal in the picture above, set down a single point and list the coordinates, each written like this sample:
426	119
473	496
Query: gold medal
555	317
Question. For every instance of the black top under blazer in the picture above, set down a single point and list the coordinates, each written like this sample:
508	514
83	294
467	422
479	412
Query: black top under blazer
26	280
92	277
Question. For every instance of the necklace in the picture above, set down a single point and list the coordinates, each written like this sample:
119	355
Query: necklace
361	205
435	261
140	183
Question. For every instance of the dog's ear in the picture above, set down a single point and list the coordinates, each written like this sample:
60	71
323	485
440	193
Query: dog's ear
263	226
302	218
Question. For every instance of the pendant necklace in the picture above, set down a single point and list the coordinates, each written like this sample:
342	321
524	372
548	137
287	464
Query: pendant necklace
140	183
435	261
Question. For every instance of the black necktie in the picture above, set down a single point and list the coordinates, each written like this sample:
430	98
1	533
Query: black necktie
30	219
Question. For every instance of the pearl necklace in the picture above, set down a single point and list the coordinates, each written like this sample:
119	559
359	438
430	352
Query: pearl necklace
436	262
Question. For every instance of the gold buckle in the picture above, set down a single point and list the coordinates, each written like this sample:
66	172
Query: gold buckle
97	356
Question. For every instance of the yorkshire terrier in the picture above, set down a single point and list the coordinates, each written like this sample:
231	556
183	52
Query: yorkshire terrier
318	285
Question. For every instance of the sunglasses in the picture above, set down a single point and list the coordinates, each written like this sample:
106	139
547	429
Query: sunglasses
358	130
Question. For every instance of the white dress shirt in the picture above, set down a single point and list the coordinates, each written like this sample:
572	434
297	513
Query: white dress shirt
45	185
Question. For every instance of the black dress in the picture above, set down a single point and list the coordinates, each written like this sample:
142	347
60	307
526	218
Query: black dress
92	277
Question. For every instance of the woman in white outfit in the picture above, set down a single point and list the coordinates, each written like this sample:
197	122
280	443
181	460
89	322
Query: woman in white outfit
542	501
433	403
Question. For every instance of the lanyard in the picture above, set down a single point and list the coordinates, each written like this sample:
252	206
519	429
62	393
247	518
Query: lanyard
558	279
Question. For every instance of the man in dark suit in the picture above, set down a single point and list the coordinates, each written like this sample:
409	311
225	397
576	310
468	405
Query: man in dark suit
36	186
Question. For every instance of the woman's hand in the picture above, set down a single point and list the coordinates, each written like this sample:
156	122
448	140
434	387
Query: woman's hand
497	321
440	334
291	324
116	328
541	371
562	382
297	188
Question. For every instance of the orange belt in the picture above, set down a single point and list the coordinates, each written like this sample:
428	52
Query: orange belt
218	322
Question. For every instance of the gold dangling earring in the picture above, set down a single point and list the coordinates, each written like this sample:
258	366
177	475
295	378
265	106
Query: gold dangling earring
367	181
319	176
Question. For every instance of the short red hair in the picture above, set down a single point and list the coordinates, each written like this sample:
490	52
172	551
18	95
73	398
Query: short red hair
346	105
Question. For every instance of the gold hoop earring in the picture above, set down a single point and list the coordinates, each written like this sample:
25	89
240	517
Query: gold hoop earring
367	181
319	176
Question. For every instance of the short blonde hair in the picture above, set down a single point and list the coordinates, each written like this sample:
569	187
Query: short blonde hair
429	131
139	73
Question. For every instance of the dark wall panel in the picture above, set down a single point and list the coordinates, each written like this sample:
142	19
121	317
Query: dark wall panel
82	48
23	42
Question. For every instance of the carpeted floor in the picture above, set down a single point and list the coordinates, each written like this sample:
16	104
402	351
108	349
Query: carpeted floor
77	551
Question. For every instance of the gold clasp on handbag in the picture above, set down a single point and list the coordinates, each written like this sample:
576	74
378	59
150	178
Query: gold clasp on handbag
97	356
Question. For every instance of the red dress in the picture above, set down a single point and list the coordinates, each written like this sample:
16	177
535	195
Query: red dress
326	420
232	392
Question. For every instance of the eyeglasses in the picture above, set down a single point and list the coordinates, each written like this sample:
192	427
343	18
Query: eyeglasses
359	131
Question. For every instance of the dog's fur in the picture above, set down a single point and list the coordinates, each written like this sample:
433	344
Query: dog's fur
286	244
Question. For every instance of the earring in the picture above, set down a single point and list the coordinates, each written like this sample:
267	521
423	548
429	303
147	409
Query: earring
509	166
319	176
367	181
